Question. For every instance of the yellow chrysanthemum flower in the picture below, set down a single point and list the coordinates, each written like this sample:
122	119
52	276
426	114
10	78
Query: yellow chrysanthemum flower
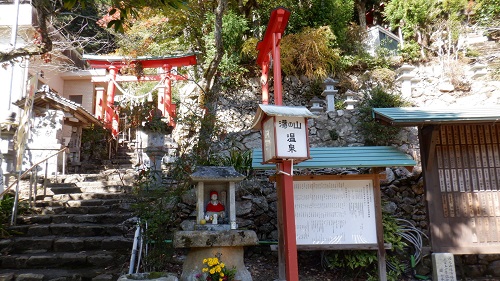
204	269
222	265
204	260
222	274
218	269
212	271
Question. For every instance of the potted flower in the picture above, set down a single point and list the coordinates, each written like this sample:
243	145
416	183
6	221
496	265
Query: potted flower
215	270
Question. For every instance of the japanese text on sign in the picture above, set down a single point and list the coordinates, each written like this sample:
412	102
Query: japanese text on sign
335	212
291	137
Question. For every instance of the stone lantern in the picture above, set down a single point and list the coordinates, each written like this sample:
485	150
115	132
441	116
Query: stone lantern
351	99
329	93
405	77
316	105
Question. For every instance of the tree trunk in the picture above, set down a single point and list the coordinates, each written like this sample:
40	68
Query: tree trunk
210	90
360	6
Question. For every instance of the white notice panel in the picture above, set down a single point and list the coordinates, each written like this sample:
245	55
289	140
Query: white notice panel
335	212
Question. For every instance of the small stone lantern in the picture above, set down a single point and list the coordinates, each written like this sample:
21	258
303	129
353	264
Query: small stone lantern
316	105
406	75
329	93
351	99
284	132
219	180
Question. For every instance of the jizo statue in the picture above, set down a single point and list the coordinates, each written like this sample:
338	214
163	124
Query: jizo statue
214	209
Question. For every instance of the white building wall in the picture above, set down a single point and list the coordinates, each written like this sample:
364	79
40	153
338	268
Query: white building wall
81	87
11	92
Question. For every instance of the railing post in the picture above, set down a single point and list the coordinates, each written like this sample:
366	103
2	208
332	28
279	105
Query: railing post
45	179
36	182
21	174
30	194
64	163
16	198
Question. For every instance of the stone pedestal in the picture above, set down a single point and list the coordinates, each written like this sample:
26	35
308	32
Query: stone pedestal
207	244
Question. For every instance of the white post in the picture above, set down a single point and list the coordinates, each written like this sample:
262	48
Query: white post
232	205
200	202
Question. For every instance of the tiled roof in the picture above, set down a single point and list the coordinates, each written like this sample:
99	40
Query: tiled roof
46	97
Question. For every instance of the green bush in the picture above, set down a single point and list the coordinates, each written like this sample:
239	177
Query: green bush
310	53
373	132
350	263
5	214
6	204
410	52
240	160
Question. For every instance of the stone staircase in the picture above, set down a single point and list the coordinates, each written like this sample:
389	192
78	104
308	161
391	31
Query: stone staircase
82	229
489	53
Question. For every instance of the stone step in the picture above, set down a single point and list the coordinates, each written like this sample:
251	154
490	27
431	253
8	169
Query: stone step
104	187
44	244
112	174
60	260
106	218
90	274
78	203
122	161
69	229
63	189
84	196
125	154
122	207
88	187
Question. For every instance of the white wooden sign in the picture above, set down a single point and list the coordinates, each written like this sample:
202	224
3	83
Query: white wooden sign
285	138
335	212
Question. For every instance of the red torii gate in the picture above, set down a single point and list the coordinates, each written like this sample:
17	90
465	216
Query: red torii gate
270	47
104	108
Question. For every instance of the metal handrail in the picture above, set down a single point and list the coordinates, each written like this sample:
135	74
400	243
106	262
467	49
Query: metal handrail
16	182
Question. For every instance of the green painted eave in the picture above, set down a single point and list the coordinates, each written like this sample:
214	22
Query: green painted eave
414	116
346	157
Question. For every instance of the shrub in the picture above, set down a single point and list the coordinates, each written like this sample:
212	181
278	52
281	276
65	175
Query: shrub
410	52
350	262
310	53
373	132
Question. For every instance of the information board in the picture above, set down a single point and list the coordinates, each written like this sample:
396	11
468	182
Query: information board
335	212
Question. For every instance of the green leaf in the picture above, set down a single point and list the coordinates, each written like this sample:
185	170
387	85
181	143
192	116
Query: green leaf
68	4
